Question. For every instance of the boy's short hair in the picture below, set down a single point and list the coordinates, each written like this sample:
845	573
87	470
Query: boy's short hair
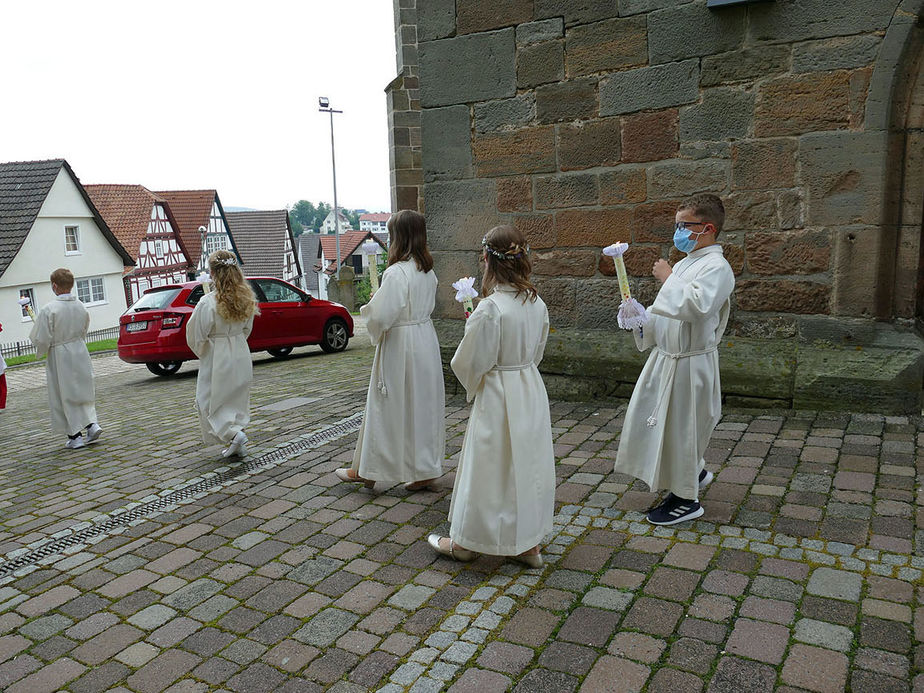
63	278
708	207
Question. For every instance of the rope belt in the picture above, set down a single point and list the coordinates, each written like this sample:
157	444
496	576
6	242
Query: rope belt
521	367
379	376
69	341
668	382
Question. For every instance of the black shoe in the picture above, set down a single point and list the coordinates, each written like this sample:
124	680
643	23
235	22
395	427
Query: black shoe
673	510
705	478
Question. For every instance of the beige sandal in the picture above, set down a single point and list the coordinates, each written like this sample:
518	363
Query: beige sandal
348	474
455	552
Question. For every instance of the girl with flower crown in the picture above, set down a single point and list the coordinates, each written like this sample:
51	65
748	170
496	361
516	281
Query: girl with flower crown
217	333
403	435
504	494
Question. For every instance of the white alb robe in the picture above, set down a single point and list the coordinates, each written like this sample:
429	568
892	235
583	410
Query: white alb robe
504	495
403	434
60	332
677	401
225	371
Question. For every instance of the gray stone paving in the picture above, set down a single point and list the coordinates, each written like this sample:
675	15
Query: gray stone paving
805	574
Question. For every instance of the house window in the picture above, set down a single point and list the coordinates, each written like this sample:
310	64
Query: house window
215	242
71	240
90	290
30	294
158	248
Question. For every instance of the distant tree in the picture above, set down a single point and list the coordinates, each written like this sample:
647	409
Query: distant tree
303	212
353	216
297	228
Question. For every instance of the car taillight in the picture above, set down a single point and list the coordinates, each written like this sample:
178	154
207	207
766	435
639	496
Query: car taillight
172	320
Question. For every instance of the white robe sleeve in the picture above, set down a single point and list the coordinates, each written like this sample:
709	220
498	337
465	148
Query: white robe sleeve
692	301
198	328
645	335
540	349
41	333
248	327
387	304
477	352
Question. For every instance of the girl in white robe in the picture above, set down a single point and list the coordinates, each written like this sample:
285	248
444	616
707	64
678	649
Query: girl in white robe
677	401
217	333
403	434
504	495
60	332
2	379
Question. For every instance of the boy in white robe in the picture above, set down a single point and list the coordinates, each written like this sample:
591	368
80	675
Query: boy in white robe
677	401
60	332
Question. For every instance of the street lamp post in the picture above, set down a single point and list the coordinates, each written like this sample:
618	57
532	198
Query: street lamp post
324	104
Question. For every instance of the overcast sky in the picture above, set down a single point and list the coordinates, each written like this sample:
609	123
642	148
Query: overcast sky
182	94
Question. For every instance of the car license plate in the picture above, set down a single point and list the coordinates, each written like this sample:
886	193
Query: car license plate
136	326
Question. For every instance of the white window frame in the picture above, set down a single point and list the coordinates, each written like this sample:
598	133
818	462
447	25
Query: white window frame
76	228
89	283
31	293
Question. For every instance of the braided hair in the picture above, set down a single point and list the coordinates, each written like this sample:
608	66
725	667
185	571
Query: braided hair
506	256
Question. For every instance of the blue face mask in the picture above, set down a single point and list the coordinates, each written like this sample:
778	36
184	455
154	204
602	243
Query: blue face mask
684	240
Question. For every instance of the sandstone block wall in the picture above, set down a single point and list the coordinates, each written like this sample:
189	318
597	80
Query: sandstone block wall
584	122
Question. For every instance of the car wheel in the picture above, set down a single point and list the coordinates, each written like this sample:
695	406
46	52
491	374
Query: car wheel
164	368
279	352
335	336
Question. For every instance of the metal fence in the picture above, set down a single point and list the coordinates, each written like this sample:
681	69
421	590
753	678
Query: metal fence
11	349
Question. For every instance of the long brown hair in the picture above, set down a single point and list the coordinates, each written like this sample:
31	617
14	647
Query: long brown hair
408	239
234	299
507	261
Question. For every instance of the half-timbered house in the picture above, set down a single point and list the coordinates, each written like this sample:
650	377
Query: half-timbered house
194	210
351	254
144	224
266	244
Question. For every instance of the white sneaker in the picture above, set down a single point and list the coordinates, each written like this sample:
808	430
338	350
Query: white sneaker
74	443
93	433
236	448
705	478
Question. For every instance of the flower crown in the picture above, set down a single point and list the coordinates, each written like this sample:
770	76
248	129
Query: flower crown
518	251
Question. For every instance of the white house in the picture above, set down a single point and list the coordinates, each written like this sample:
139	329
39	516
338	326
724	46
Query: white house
48	221
143	224
328	225
351	254
375	222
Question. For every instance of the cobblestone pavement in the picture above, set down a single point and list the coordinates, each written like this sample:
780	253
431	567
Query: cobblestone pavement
804	574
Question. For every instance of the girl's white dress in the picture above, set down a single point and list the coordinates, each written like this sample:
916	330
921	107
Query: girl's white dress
403	434
504	495
60	331
225	371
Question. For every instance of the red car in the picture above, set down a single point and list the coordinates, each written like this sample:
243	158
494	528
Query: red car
153	330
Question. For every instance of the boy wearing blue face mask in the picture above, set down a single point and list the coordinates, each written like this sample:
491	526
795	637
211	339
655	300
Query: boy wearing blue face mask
677	401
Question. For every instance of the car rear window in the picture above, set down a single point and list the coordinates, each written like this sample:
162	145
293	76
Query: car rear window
195	296
155	300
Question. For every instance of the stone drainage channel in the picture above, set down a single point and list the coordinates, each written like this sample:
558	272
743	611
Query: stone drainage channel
81	534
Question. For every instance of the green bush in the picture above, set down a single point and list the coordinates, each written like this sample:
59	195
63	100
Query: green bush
364	288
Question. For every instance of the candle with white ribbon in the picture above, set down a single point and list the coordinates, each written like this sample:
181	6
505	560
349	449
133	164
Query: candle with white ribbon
372	249
206	280
27	304
631	313
465	292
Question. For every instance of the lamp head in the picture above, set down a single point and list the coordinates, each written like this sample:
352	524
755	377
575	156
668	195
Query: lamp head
323	102
202	229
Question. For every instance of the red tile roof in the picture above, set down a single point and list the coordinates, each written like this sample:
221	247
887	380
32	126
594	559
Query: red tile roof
349	242
375	216
191	209
126	210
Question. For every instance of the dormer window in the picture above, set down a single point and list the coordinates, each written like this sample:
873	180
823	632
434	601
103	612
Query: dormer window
71	240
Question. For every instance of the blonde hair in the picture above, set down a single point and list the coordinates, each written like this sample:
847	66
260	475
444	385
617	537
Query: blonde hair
63	278
507	261
234	299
